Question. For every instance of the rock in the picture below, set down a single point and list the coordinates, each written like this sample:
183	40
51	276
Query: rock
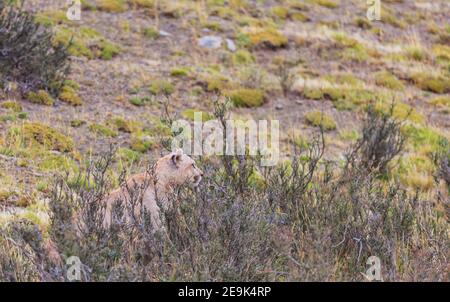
299	102
231	45
163	33
278	107
211	42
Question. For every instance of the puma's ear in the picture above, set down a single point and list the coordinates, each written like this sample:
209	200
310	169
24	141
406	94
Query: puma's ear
176	157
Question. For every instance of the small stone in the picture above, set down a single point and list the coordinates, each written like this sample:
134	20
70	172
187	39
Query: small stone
211	42
299	102
278	107
231	45
163	33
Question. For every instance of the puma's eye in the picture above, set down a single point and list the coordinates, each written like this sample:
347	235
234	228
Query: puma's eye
193	165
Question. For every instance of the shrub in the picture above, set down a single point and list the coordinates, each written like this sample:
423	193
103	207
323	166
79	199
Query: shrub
281	229
29	56
380	142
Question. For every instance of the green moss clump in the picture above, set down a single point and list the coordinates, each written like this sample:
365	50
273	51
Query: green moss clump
141	145
345	79
46	136
112	6
86	42
416	171
363	23
299	16
265	36
77	123
388	80
143	3
70	96
124	125
441	101
78	46
421	136
343	98
242	57
102	130
72	84
401	111
437	84
415	53
179	72
320	119
280	12
246	97
216	82
137	101
325	3
442	52
12	105
51	18
5	195
127	155
40	97
161	87
189	114
151	33
108	50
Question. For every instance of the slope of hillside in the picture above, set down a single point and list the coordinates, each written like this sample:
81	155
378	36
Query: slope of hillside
292	61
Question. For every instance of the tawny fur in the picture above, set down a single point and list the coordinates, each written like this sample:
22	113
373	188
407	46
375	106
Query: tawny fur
170	171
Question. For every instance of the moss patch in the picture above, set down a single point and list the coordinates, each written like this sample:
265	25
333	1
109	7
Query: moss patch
124	125
179	72
12	105
47	137
40	97
320	119
264	37
70	96
189	114
401	111
388	80
325	3
102	130
441	101
242	57
161	87
437	84
246	97
112	6
151	33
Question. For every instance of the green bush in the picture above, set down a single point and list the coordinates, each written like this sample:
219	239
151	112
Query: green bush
28	55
